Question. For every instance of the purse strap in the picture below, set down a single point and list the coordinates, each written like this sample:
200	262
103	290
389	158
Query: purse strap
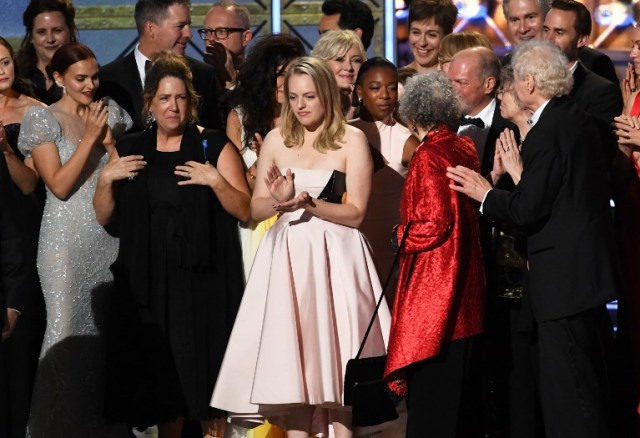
386	284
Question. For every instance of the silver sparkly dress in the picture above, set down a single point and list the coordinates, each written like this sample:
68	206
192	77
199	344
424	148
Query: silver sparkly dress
74	256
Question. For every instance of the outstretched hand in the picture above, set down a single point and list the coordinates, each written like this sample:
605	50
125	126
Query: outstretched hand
280	186
469	182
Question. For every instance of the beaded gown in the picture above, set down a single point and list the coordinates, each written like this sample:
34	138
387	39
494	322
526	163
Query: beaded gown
74	256
311	293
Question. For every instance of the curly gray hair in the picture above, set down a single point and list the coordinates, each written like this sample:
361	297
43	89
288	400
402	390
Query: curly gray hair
548	66
429	100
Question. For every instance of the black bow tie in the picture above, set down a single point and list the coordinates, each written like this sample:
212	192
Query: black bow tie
475	121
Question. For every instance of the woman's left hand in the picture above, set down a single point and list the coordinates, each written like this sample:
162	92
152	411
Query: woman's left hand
509	151
294	203
196	173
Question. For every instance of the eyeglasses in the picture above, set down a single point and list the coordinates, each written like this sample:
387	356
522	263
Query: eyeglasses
221	33
502	90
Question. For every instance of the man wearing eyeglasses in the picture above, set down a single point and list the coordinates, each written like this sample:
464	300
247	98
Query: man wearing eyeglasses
226	32
162	25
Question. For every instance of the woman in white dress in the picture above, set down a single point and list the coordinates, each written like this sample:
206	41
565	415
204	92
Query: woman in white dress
392	146
313	285
68	144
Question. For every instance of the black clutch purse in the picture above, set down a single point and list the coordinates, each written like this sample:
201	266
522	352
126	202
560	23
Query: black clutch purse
365	390
335	188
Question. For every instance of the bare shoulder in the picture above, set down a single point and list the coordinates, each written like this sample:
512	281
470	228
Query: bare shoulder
354	137
273	140
25	102
30	101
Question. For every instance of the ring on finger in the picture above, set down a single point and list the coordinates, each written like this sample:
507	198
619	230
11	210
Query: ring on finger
131	176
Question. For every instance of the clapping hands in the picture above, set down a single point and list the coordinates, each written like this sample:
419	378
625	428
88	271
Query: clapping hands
95	122
280	186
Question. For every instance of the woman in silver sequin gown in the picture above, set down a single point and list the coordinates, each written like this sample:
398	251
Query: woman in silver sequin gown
68	144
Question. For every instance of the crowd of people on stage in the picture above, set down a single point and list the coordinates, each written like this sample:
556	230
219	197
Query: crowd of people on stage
184	242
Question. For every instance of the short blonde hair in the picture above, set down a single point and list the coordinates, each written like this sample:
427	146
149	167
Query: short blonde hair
327	91
337	43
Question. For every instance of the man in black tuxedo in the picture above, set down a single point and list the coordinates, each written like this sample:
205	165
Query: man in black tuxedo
568	26
525	19
475	73
562	204
162	25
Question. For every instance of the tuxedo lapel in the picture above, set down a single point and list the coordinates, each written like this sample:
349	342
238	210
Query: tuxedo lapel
133	83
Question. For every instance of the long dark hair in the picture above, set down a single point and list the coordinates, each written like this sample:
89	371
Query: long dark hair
26	56
255	90
19	84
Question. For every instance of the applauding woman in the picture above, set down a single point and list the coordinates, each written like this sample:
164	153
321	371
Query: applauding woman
313	285
175	192
69	143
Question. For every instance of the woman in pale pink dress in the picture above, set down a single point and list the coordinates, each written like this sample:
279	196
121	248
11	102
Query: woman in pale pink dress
313	285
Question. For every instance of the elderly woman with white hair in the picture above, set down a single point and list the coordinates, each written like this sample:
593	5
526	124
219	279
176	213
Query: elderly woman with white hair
344	53
440	294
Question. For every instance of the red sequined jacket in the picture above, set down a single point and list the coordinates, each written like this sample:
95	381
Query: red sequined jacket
441	289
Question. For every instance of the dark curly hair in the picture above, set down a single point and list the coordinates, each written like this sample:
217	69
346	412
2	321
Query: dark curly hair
26	56
19	84
255	90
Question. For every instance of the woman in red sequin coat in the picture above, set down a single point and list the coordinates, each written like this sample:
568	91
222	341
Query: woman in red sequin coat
440	295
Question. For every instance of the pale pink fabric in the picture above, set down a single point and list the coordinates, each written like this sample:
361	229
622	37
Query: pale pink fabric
308	300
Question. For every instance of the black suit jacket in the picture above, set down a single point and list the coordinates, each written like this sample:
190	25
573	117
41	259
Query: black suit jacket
562	204
597	96
120	81
599	63
602	99
596	61
12	266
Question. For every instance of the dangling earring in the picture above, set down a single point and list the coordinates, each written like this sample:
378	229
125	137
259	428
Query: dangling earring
148	121
64	90
360	101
